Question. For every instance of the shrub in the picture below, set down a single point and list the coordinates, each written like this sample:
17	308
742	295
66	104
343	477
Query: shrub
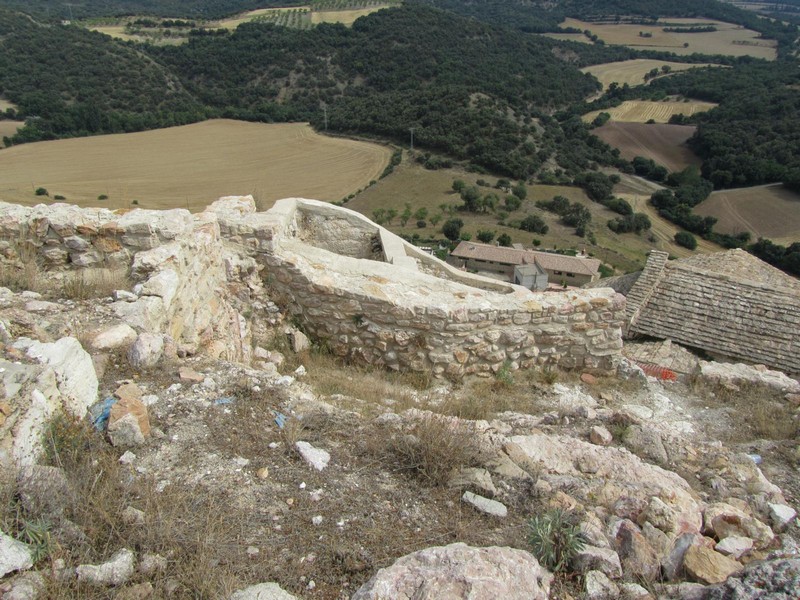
59	197
103	197
534	224
437	447
555	539
686	239
41	192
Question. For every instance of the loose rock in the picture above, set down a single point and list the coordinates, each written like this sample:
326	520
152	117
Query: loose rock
447	571
706	566
485	505
14	555
116	571
314	457
263	591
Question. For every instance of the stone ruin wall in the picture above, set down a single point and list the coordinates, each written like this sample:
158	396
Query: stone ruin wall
354	286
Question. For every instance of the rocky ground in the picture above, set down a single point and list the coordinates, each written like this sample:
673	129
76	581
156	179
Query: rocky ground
204	477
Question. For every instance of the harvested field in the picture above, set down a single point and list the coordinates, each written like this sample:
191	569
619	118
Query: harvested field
769	211
345	17
8	128
568	37
661	142
729	39
633	71
191	166
641	111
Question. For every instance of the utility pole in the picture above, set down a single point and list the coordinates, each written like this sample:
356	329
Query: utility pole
411	129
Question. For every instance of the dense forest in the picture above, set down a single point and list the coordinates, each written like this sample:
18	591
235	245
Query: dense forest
467	89
199	9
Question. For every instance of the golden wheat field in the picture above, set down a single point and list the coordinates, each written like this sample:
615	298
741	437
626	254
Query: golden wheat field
633	71
729	39
191	166
345	17
770	211
641	111
8	128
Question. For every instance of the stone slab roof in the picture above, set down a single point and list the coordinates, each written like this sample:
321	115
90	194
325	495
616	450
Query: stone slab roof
727	303
516	256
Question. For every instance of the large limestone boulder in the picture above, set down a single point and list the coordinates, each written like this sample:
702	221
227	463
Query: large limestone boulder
707	566
74	369
460	571
609	476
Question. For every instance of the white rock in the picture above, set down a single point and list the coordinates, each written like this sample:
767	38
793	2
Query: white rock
592	558
152	563
124	295
600	587
633	591
116	571
263	591
734	545
600	435
14	555
114	337
26	586
781	515
298	341
317	520
460	571
74	369
163	284
314	457
146	351
127	458
42	306
300	371
485	505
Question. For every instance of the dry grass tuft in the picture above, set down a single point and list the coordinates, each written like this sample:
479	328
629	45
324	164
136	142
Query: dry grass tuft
437	447
23	273
94	283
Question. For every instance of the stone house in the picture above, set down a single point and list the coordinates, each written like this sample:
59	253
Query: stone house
729	304
531	268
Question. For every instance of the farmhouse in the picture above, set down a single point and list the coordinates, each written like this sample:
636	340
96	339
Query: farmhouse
529	268
729	304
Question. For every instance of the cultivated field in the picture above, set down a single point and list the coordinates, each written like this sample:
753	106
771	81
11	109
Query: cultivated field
641	111
568	37
633	71
769	211
729	39
8	128
345	17
191	166
661	142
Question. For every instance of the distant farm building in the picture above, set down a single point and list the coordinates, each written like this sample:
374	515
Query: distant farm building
530	268
729	304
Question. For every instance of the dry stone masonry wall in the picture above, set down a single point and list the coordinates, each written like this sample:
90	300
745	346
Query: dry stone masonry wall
354	286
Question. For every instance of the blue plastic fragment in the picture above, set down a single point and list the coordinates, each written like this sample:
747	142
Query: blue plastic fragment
100	413
280	419
756	458
224	400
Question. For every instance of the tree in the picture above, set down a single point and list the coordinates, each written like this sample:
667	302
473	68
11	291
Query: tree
421	214
686	239
391	214
504	240
534	224
485	236
512	203
520	191
452	229
406	215
472	199
459	185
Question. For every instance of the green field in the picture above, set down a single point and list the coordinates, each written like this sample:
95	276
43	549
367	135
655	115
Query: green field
412	184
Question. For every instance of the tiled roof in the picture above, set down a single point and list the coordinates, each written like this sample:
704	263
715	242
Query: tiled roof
514	256
726	303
